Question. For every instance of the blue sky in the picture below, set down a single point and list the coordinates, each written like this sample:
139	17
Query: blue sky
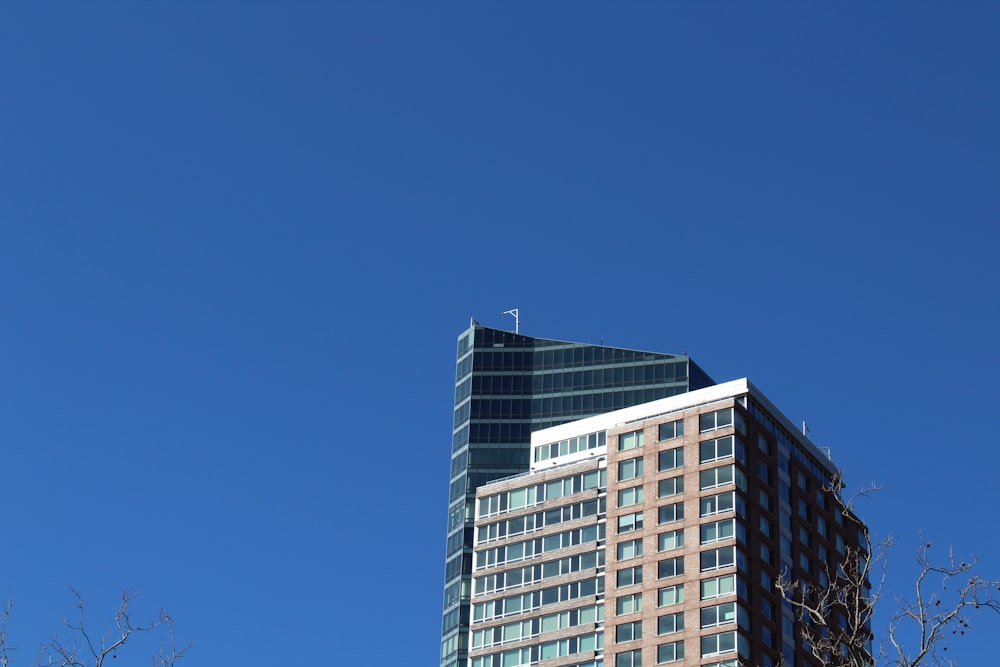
239	239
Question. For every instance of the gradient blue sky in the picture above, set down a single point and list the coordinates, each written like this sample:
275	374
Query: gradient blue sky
239	239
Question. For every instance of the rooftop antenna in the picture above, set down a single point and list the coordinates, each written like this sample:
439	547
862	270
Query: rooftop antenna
517	318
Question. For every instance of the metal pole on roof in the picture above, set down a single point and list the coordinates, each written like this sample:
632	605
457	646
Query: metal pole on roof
517	318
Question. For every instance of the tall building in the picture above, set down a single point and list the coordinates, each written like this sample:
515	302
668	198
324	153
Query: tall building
508	385
653	535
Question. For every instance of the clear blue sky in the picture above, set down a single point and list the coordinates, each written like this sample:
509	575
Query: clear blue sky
239	239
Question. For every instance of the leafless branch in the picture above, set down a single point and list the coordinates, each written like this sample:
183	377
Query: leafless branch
169	654
835	620
5	650
81	649
947	597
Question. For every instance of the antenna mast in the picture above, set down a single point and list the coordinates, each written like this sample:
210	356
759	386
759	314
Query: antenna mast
517	318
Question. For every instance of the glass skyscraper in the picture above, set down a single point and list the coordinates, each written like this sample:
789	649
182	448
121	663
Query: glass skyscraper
508	385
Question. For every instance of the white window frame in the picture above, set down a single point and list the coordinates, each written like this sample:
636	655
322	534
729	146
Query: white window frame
630	496
670	540
676	591
729	579
633	601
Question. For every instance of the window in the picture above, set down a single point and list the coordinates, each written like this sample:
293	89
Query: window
670	567
627	604
629	658
559	648
721	448
711	421
512	658
720	614
669	513
804	536
717	531
718	586
562	593
516	630
713	477
571	446
766	554
673	539
670	487
722	502
627	632
714	559
630	522
630	549
802	480
822	527
670	595
670	459
671	430
764	445
629	576
805	563
670	623
766	527
554	489
630	496
629	469
629	440
671	652
518	498
764	472
724	642
765	501
766	609
804	509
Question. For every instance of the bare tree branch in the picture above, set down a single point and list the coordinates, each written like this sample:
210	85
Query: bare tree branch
81	649
5	650
169	654
835	620
946	598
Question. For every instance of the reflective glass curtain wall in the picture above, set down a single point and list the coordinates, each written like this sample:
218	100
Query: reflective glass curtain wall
508	385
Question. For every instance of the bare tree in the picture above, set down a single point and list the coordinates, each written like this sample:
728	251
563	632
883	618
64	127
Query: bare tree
836	620
947	598
84	649
4	650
